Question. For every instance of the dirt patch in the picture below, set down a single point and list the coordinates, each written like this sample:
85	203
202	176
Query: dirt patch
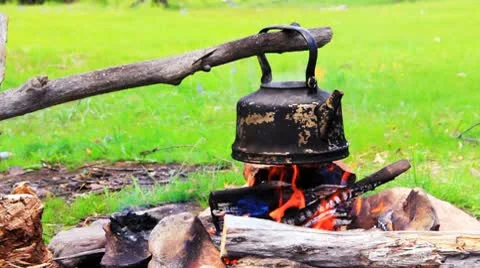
59	181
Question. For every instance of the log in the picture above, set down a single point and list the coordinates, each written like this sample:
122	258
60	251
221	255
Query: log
39	92
21	242
3	44
267	239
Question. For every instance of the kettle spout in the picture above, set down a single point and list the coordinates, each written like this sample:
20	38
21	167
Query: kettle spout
327	112
333	101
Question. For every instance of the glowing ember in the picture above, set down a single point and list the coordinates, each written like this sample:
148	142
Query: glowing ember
228	261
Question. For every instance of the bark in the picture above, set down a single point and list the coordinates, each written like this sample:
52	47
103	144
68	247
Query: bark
3	45
267	239
253	262
21	242
39	92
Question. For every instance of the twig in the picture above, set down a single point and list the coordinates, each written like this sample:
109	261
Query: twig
470	139
468	129
156	149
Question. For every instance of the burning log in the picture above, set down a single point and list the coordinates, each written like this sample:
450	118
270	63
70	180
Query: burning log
267	239
21	242
410	209
182	241
390	211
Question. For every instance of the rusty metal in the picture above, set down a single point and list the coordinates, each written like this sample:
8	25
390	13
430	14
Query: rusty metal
291	122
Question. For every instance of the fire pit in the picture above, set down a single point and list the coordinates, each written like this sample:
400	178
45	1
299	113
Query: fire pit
290	135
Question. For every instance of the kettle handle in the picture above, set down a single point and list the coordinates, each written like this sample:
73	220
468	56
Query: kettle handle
312	59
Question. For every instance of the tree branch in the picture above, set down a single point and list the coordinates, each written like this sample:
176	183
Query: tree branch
3	44
39	93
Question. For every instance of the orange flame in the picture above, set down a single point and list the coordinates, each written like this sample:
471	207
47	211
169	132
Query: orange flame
358	206
325	223
379	208
297	200
324	218
345	177
249	175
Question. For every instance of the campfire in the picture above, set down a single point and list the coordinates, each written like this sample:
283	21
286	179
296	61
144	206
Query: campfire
301	207
319	196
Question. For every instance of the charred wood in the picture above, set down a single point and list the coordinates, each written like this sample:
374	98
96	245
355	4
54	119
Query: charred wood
127	250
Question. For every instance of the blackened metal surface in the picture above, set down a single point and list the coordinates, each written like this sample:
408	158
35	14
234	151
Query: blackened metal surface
290	126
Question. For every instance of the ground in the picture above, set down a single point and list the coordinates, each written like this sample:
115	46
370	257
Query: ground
409	71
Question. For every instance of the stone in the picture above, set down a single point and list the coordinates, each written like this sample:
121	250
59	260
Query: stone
181	241
78	240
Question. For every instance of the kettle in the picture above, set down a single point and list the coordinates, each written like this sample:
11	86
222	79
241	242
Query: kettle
290	122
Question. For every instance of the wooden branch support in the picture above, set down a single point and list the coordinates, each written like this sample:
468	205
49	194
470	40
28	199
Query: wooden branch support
39	92
267	239
3	45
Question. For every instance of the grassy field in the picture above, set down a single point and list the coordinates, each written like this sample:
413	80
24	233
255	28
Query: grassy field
409	72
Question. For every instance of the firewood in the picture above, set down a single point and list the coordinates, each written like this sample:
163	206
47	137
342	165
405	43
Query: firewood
410	214
393	211
267	239
40	92
21	242
182	241
320	202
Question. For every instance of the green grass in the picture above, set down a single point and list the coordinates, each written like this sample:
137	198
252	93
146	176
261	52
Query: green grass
409	72
59	214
